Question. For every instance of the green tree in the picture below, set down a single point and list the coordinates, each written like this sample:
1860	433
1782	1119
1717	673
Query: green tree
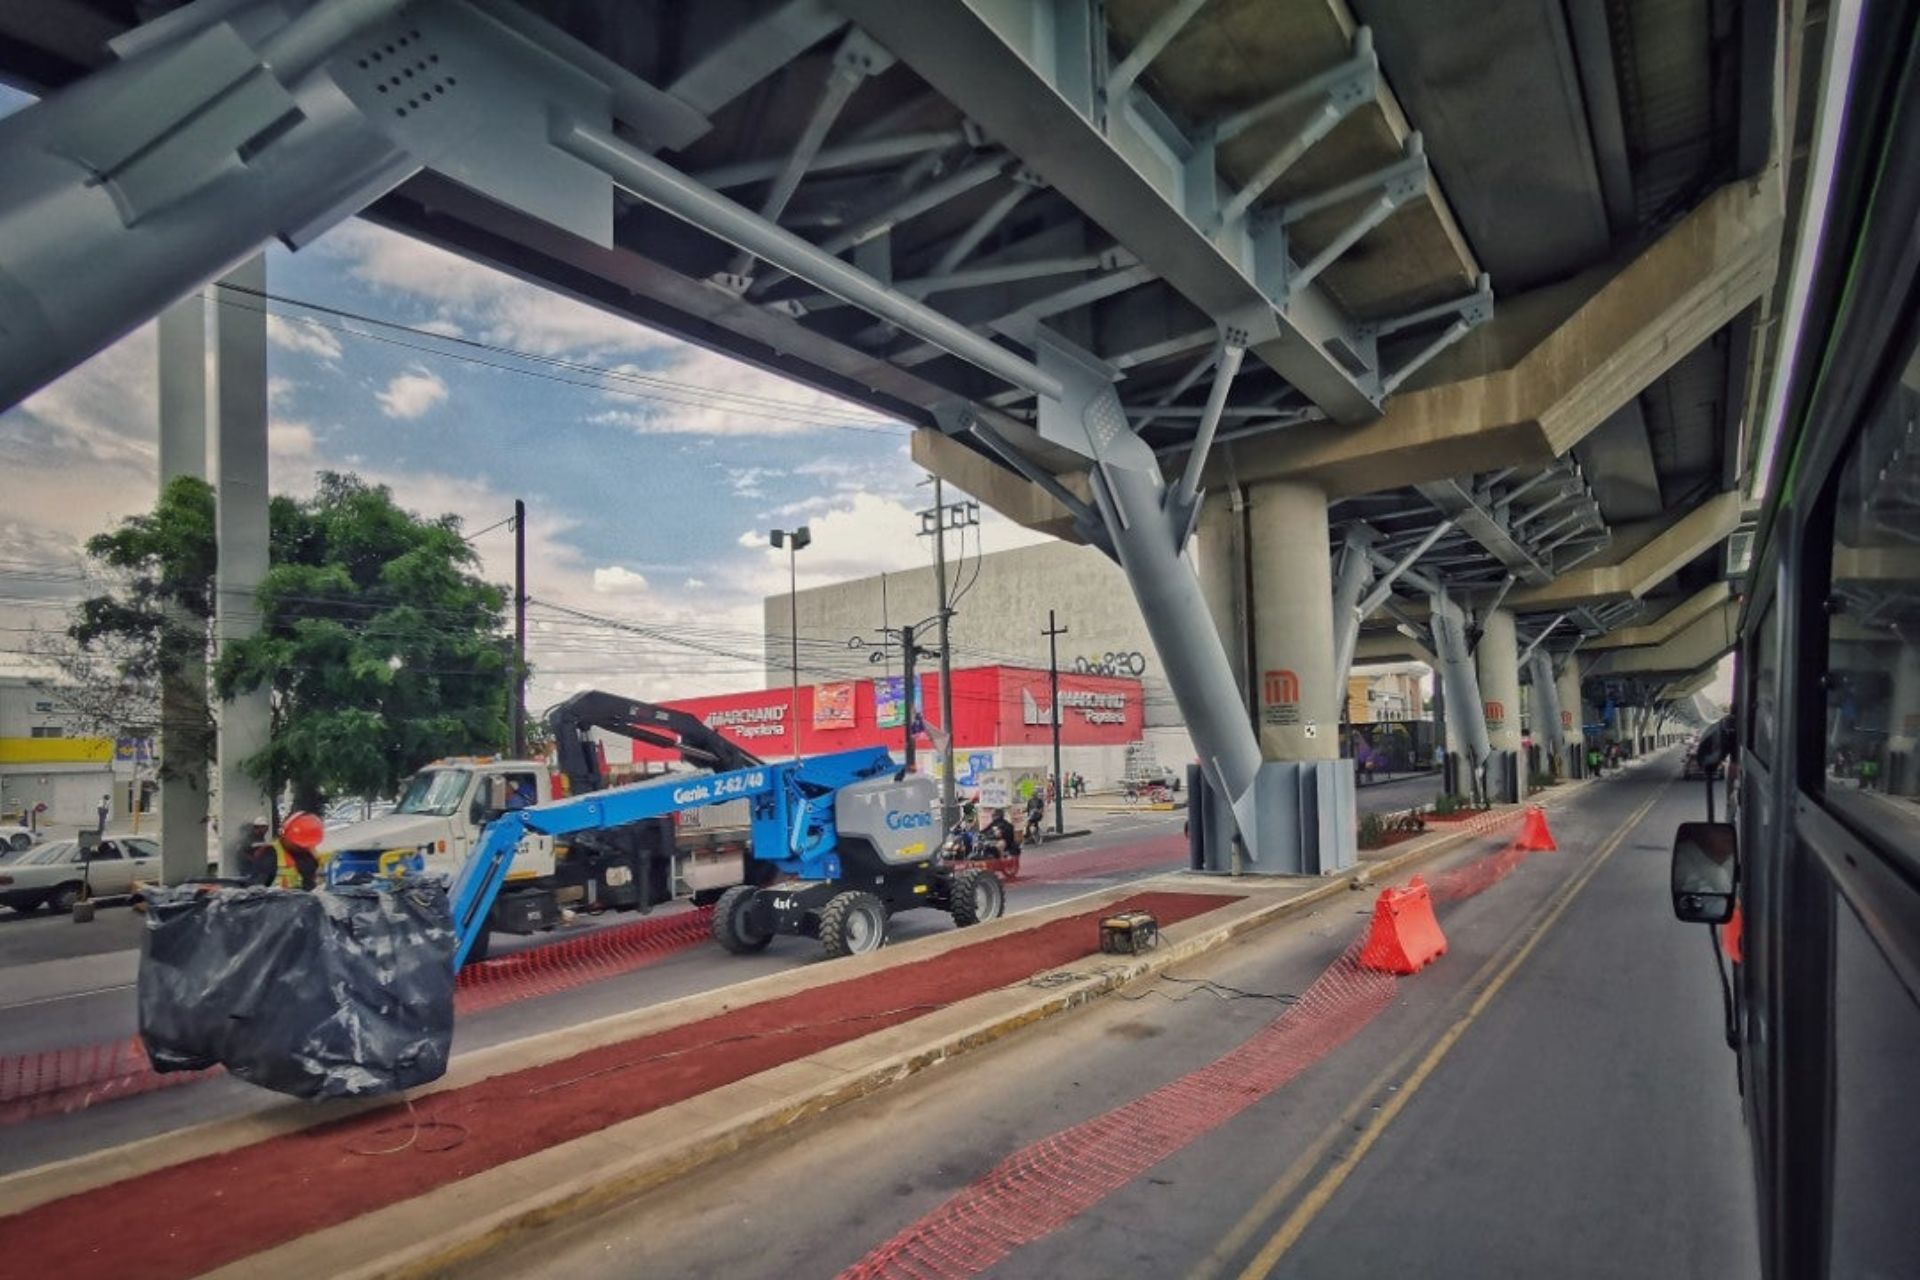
116	655
379	645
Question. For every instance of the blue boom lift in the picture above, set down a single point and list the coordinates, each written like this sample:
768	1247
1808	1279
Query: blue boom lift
839	842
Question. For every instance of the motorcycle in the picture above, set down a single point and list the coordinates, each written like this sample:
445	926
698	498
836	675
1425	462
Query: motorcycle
968	844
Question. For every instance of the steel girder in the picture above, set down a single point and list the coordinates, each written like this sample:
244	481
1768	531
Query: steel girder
1029	76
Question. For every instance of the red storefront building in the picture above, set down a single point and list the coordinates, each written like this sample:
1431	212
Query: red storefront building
1000	719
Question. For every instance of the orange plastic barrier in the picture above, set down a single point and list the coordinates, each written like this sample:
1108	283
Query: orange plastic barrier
1534	836
1405	937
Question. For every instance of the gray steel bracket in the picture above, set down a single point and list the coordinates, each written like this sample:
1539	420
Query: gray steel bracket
1131	495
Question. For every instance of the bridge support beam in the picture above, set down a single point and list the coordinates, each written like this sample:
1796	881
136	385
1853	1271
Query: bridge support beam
1467	744
1497	661
1573	714
240	495
1220	560
1548	730
1306	789
184	720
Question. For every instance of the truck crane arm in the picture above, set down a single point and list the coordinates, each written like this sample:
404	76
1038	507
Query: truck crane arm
679	731
793	821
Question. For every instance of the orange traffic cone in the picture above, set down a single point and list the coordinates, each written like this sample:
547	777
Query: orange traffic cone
1405	937
1534	836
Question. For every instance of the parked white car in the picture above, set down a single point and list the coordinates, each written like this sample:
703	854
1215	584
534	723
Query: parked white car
55	873
16	837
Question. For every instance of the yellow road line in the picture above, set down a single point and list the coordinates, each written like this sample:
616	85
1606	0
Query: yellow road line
1322	1193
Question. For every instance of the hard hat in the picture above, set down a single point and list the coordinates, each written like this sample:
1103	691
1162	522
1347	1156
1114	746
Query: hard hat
303	830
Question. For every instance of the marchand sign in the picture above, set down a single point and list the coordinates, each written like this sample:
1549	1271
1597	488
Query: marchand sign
751	722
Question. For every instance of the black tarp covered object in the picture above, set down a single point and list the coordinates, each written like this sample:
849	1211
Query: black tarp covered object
336	993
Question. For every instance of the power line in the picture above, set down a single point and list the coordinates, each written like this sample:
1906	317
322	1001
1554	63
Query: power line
663	390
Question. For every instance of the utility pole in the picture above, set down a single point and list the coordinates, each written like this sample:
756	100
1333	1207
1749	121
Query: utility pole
936	522
519	629
1053	633
949	812
907	690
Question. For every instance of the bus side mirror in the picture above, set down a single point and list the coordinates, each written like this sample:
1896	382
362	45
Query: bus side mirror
1706	857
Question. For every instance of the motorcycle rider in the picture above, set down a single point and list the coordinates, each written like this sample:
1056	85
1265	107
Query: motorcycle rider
961	841
1036	816
999	840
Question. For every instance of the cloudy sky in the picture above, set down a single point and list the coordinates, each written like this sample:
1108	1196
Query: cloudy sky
652	469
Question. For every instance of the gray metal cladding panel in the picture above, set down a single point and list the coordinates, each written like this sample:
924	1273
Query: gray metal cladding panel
896	817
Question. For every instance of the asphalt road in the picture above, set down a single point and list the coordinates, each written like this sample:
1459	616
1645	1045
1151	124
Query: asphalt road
1551	1097
89	999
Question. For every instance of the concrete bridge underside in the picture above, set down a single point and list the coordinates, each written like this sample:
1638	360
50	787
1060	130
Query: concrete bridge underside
1458	327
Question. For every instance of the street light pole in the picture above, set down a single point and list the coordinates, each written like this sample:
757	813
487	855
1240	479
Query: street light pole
794	540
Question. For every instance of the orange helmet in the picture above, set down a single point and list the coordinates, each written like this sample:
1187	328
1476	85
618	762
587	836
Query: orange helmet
303	830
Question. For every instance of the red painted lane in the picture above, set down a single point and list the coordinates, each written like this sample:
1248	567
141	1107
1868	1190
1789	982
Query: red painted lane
208	1212
72	1078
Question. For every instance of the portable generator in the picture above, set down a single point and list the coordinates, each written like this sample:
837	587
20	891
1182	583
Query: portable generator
1130	933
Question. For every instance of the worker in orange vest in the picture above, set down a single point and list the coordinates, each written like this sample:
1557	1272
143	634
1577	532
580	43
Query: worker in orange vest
292	861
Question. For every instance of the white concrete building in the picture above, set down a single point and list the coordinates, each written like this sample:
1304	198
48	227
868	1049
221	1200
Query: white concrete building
1000	614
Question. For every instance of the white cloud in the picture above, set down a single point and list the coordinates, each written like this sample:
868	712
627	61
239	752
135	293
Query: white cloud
295	334
709	394
694	584
681	389
289	440
480	302
616	578
412	394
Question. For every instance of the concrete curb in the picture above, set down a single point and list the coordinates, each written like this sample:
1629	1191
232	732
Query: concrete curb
487	1211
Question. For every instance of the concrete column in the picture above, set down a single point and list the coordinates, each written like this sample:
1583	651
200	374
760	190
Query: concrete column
1497	662
1305	790
1902	769
241	489
1293	623
1573	714
1219	561
184	726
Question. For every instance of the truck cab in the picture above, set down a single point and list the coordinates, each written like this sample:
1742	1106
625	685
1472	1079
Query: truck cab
442	810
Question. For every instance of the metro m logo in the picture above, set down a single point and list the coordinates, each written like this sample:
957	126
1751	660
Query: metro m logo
1282	688
1566	719
1496	713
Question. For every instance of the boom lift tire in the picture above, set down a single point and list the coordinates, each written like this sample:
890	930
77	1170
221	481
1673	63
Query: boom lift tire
732	928
852	924
974	896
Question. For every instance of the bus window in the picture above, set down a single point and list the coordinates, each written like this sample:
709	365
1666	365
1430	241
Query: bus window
1876	1162
1871	767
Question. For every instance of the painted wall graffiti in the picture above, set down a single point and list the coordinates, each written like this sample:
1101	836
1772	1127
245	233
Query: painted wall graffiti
1130	662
